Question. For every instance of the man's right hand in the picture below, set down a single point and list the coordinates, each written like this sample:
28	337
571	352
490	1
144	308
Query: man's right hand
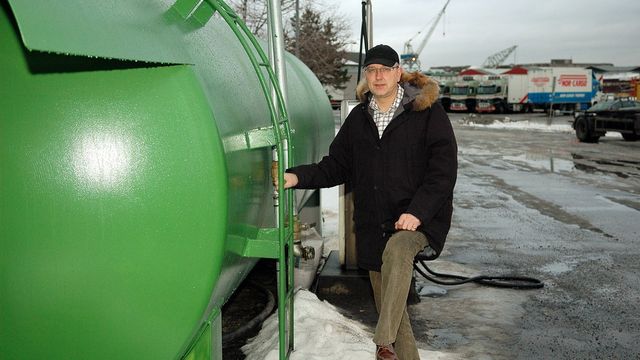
290	180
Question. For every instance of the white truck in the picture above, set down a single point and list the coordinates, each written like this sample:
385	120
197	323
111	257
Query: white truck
563	88
462	95
491	95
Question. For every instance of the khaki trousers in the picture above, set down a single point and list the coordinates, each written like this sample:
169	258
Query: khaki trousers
390	290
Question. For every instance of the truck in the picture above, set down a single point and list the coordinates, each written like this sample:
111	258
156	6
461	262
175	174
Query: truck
445	94
491	95
561	88
566	89
620	115
502	93
463	95
508	93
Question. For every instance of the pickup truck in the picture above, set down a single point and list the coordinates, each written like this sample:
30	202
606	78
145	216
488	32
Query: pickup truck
621	115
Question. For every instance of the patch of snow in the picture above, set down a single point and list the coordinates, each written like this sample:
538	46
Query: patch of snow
543	161
526	125
432	290
536	125
320	333
557	268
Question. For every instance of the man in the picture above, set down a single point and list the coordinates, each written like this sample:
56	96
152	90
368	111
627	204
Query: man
398	151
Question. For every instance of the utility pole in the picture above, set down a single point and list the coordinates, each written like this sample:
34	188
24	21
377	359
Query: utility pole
553	96
366	31
369	24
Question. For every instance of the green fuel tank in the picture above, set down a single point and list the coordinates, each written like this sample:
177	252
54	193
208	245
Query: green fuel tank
132	156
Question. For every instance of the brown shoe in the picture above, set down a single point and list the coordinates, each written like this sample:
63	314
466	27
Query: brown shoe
385	352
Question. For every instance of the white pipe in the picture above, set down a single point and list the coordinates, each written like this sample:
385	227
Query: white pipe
276	41
276	58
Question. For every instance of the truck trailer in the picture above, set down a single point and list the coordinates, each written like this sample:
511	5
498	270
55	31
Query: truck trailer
619	115
561	88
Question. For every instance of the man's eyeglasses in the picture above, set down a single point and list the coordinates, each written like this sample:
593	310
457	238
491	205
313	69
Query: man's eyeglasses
384	70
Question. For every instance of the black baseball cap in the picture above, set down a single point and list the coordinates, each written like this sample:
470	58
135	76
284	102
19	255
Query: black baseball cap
381	54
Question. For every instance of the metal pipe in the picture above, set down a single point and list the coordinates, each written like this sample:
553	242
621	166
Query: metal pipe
276	40
276	58
285	264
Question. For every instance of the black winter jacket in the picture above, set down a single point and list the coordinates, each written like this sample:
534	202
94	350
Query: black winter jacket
411	169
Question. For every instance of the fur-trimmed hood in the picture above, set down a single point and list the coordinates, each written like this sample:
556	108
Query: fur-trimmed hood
418	88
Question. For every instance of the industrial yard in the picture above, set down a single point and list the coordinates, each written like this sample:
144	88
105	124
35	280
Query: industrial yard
531	200
147	163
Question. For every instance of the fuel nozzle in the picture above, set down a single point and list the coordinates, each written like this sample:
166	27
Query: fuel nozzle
304	252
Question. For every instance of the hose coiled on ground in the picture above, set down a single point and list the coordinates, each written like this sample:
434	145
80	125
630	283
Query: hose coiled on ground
255	321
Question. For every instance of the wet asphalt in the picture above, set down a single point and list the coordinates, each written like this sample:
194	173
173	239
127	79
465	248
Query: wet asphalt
539	204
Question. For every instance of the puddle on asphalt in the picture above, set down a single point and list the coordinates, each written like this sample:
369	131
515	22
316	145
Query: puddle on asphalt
615	167
542	161
548	162
623	163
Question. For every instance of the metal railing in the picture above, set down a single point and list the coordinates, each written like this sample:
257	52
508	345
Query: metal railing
282	133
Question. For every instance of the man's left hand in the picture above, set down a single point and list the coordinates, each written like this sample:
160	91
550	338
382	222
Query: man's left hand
407	222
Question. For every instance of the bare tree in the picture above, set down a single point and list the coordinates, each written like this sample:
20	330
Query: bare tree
254	13
320	40
321	47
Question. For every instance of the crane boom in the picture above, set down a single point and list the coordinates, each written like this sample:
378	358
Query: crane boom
410	57
498	58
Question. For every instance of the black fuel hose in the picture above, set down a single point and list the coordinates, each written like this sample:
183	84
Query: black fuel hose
512	282
502	281
255	321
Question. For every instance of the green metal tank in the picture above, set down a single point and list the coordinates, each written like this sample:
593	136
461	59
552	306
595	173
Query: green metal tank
133	161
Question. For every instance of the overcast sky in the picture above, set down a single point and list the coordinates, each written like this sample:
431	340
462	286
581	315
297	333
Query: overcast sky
586	31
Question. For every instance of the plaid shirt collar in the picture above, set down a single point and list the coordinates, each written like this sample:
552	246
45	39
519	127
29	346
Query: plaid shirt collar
382	119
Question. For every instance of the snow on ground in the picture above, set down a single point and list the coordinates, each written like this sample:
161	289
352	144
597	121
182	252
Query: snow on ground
536	123
528	125
320	333
329	200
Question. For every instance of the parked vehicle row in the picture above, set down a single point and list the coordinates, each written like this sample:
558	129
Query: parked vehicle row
520	90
